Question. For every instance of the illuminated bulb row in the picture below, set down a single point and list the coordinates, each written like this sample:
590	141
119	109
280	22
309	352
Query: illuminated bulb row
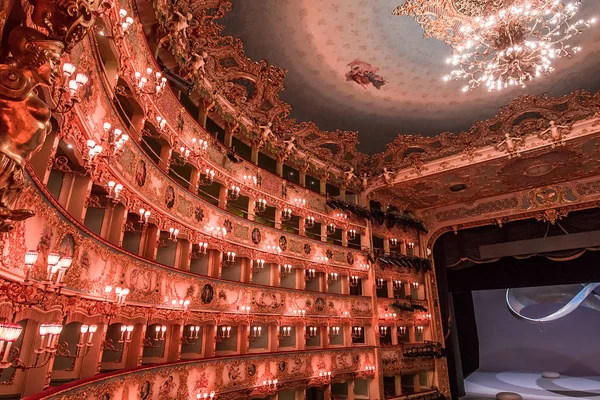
159	331
126	331
144	215
184	304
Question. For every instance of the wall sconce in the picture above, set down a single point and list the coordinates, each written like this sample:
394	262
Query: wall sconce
153	79
310	274
285	331
325	374
93	150
273	249
250	180
122	26
85	331
357	332
244	309
334	331
181	304
270	383
353	281
228	259
370	369
299	202
218	232
125	340
312	331
257	265
397	284
120	294
206	395
255	333
194	334
410	245
202	250
224	333
30	259
401	331
394	242
57	268
286	214
352	234
199	145
233	193
332	277
380	283
184	156
260	205
383	330
9	333
341	216
364	266
323	259
419	329
415	285
309	222
390	315
331	228
159	332
285	269
173	233
114	190
144	215
70	86
299	313
208	177
116	138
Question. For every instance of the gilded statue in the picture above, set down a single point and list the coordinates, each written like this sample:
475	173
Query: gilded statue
24	117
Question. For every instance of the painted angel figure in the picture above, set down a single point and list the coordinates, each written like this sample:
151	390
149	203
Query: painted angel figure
364	73
553	132
265	134
511	144
349	175
387	175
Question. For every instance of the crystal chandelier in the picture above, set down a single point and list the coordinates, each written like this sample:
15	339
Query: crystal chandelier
513	45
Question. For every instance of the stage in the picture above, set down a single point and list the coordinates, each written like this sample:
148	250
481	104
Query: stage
485	385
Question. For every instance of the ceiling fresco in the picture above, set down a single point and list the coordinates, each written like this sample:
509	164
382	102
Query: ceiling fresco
536	169
352	65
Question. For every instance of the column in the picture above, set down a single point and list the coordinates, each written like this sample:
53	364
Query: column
251	208
223	197
228	138
325	337
183	254
386	245
243	332
194	180
149	242
208	337
323	186
90	364
278	218
279	167
116	225
301	227
136	347
323	231
165	157
344	238
302	177
43	159
254	155
398	384
174	342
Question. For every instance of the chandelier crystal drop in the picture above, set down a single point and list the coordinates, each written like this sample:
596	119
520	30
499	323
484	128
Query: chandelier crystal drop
516	44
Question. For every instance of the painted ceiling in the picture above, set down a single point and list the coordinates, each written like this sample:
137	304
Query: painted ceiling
316	40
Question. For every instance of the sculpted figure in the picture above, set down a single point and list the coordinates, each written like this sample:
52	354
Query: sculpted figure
349	175
553	132
180	23
387	176
24	117
265	134
289	147
511	144
364	180
197	63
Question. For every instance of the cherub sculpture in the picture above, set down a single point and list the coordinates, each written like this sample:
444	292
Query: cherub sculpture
265	134
197	64
511	145
364	180
554	133
179	24
387	176
24	117
290	146
349	175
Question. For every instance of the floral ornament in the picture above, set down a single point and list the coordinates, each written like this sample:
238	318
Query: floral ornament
329	254
307	248
350	258
256	236
283	243
199	214
228	225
